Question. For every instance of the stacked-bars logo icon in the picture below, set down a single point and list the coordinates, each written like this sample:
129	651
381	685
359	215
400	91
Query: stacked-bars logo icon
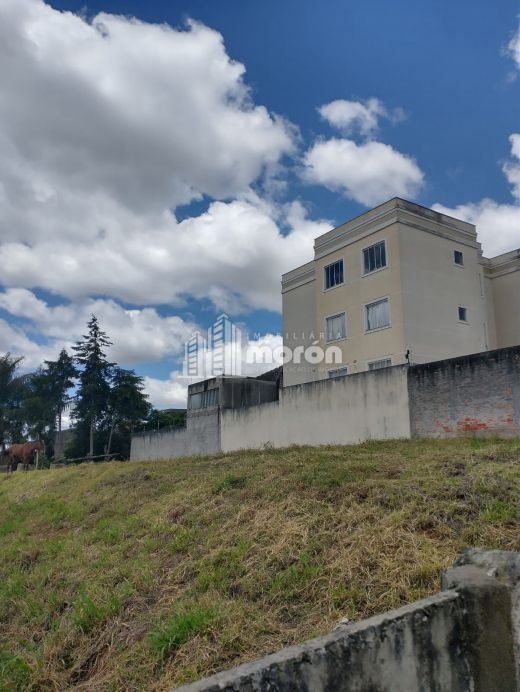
218	354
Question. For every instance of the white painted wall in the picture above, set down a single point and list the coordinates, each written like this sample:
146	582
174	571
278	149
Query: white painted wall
369	405
201	436
162	444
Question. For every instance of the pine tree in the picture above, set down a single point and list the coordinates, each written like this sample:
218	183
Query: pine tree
92	401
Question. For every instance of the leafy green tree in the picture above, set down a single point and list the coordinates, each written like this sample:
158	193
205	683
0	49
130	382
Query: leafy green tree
45	397
12	390
92	401
36	406
167	418
61	374
128	405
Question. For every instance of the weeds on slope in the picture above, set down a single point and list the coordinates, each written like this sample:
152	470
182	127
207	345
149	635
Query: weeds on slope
146	575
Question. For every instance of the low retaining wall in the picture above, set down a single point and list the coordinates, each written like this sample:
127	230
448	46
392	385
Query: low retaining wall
462	640
200	436
159	444
343	410
471	395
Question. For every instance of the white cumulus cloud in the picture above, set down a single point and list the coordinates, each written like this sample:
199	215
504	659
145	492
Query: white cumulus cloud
233	254
368	173
147	114
169	393
358	116
16	341
106	127
512	168
514	47
137	334
498	225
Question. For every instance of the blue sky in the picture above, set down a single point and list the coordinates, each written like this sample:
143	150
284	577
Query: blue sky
442	62
149	178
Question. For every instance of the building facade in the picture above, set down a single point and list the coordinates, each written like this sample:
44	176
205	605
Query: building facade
398	284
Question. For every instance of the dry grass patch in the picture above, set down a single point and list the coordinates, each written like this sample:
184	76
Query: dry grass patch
146	575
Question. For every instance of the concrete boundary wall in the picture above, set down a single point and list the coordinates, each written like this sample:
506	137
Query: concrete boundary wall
469	395
461	640
200	436
343	410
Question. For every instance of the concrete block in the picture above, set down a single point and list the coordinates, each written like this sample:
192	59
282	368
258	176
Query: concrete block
504	566
461	640
488	631
413	648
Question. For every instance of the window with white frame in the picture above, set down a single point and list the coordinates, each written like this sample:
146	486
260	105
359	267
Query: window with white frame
334	274
377	315
380	364
336	327
458	258
338	372
374	257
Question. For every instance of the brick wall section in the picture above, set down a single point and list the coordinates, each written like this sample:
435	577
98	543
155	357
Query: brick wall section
471	395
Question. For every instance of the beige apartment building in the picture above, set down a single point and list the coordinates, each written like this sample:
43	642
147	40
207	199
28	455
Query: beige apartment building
400	283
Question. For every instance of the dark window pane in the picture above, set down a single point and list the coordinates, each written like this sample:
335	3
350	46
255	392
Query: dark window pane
374	257
334	274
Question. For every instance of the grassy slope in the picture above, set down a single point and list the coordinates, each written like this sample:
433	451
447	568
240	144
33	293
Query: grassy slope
145	575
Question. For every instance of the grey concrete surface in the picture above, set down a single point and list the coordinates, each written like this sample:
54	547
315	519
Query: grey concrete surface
345	410
460	640
466	396
200	436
